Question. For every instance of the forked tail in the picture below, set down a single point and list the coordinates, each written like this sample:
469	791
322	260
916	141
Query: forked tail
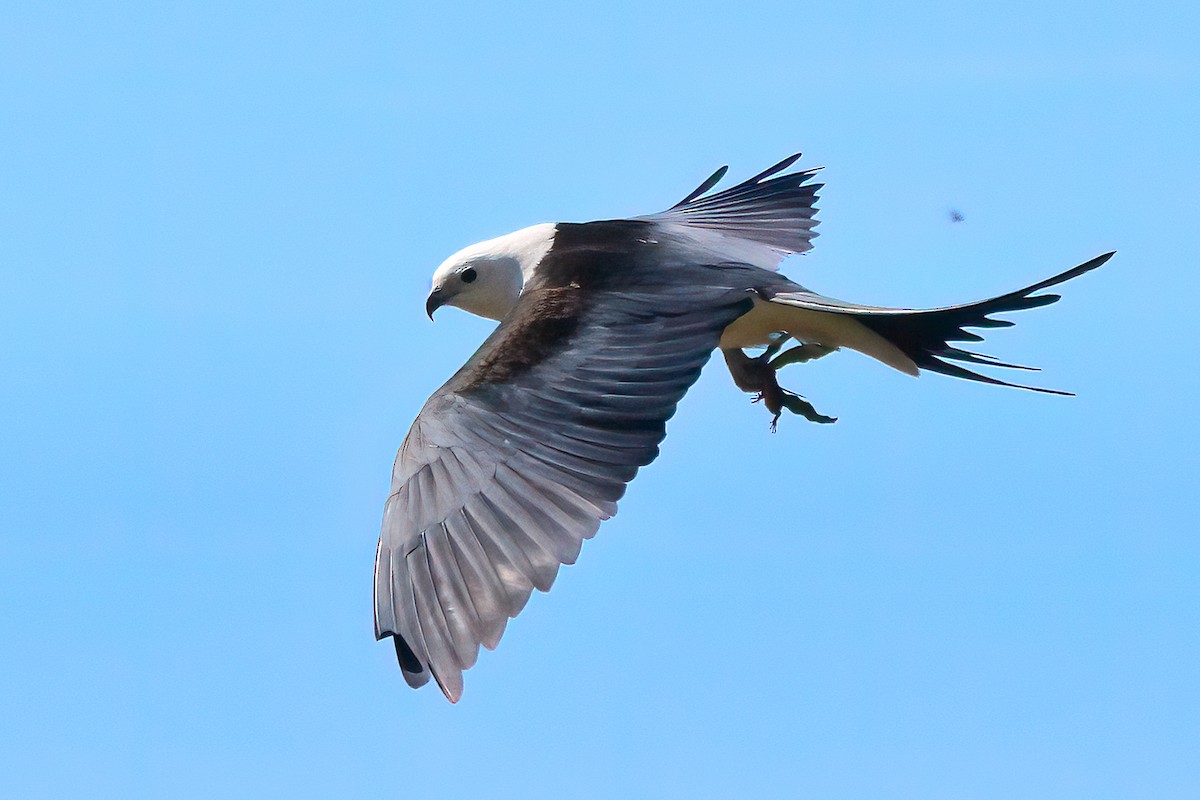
927	337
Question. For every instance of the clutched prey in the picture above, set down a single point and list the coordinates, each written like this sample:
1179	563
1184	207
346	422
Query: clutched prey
756	375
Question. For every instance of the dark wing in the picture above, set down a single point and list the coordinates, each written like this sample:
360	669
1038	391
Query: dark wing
770	216
517	459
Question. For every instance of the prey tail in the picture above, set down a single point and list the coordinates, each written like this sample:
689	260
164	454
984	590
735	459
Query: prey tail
926	337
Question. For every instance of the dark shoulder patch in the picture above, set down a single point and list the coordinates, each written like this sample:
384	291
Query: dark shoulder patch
614	235
597	256
544	319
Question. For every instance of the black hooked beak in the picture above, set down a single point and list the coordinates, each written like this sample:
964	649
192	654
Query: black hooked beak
435	301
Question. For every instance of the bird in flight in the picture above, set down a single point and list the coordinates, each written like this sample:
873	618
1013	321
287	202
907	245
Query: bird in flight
603	327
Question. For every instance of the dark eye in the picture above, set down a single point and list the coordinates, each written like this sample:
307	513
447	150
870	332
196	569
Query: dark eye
469	275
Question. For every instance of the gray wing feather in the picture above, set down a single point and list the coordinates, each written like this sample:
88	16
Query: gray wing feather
500	480
776	212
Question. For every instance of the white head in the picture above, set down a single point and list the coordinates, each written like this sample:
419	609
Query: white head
486	278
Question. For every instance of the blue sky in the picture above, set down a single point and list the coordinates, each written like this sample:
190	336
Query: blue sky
217	226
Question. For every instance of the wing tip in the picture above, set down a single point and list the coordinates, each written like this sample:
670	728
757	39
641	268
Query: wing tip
775	169
406	657
417	674
451	685
708	183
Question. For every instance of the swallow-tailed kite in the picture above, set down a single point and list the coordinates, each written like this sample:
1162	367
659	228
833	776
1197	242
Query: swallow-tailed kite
603	327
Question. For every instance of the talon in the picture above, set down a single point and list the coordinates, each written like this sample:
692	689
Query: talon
757	377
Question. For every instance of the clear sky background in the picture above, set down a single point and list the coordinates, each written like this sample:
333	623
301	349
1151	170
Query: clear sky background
217	226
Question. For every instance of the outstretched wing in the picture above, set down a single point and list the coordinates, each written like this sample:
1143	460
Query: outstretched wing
759	221
517	459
